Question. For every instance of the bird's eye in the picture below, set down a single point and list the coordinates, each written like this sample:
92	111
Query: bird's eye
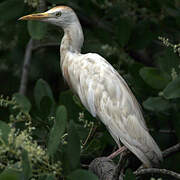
58	14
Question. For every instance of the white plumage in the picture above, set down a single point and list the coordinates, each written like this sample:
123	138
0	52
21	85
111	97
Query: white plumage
100	88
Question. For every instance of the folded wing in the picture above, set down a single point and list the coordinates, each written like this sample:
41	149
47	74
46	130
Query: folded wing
106	95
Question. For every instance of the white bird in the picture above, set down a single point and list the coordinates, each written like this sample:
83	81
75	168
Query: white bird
100	88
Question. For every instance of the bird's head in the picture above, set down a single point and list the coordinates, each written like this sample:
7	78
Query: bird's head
61	16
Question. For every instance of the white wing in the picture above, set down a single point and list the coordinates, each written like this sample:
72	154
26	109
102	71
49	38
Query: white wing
106	95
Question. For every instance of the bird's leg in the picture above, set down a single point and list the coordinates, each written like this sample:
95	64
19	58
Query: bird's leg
114	154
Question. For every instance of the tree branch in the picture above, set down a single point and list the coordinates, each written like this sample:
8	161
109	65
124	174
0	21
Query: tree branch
26	66
158	172
27	56
105	169
171	150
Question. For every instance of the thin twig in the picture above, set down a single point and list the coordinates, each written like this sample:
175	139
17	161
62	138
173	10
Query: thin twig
89	134
26	66
158	172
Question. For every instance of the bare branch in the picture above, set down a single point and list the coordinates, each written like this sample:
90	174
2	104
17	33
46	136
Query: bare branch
171	150
27	56
158	172
26	66
105	169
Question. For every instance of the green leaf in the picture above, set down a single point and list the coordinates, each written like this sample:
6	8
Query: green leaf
41	90
9	175
37	30
73	147
156	104
129	175
4	131
66	98
11	9
45	106
173	89
26	167
81	174
154	77
57	130
169	60
23	102
124	27
134	79
50	177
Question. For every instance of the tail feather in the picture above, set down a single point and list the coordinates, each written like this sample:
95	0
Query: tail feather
149	154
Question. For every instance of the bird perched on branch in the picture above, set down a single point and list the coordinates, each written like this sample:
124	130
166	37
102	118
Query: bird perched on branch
100	88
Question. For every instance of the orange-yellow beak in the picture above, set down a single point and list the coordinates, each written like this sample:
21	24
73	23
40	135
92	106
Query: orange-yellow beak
37	16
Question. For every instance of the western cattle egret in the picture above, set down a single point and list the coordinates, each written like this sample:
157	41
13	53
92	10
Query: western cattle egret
100	88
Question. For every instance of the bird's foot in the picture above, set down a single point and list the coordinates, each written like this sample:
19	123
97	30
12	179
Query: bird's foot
114	154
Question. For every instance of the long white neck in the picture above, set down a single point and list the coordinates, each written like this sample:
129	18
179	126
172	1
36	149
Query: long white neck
72	40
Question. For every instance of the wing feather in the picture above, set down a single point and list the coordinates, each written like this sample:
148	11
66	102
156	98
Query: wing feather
106	95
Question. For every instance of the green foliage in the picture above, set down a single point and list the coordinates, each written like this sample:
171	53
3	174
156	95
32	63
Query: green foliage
4	131
23	102
37	30
50	177
129	175
42	90
29	158
73	148
9	175
54	1
156	104
43	137
175	47
66	98
124	28
172	91
81	175
57	130
168	61
154	77
142	35
26	167
46	106
11	9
